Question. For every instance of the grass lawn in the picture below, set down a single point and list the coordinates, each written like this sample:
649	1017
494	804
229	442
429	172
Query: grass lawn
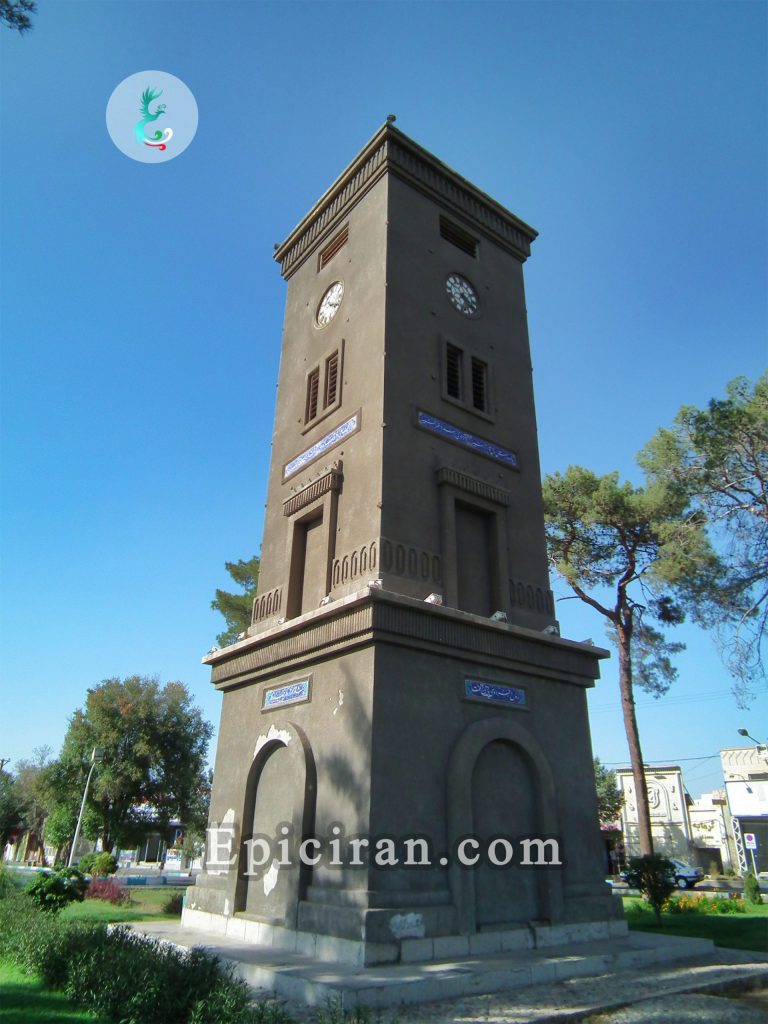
24	1000
734	931
146	904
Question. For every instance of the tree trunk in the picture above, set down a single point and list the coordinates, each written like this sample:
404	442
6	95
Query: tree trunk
633	739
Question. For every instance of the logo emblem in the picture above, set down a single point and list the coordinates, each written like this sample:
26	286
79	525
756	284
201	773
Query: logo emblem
164	129
160	139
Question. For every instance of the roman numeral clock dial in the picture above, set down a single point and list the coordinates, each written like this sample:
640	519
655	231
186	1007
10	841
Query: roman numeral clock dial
329	304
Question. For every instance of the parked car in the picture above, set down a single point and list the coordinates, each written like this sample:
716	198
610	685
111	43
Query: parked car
685	876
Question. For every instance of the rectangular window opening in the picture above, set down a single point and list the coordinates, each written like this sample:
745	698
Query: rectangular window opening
453	371
331	379
334	247
479	385
458	236
313	387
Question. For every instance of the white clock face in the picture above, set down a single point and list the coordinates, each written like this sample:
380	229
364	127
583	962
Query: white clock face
462	295
329	304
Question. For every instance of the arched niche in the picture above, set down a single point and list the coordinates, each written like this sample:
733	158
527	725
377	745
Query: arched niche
281	789
500	752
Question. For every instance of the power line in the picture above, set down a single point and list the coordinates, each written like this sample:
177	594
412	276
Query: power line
668	701
663	760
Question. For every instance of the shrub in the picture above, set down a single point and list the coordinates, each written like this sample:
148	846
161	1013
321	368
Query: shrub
121	975
174	904
109	889
52	891
85	864
126	977
752	889
104	864
654	876
704	905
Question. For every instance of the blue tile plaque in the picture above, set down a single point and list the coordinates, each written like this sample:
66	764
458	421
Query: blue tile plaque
291	693
495	693
322	446
465	439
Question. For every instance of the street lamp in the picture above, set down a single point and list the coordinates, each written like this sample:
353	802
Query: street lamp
97	755
743	732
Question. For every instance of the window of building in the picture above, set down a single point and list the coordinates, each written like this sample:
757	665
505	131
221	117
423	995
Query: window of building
323	388
479	385
334	247
466	380
453	360
458	236
313	386
331	380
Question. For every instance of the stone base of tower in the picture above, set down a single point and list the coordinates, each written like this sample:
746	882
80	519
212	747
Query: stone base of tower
367	952
386	721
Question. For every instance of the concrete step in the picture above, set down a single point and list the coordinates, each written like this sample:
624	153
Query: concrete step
303	980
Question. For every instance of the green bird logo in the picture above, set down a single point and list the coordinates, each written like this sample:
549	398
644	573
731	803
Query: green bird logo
159	139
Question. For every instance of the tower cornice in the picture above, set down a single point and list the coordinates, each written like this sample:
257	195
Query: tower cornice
390	151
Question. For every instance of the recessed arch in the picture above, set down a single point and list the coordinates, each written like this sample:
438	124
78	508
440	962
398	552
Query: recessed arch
297	793
460	813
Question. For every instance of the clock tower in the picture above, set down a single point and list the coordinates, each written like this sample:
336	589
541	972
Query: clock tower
403	679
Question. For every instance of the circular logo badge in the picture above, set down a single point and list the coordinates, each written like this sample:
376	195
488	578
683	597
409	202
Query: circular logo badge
152	117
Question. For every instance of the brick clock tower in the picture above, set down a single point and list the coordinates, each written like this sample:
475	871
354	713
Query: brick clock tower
403	674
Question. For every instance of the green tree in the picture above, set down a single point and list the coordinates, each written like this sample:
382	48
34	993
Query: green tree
236	608
16	13
609	796
12	806
154	743
59	828
625	552
719	455
28	774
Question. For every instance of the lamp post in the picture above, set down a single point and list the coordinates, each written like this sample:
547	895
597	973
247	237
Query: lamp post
96	756
760	746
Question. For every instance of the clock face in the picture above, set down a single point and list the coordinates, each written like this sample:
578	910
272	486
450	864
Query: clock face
462	295
329	304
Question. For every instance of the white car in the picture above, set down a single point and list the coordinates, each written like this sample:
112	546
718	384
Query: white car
685	876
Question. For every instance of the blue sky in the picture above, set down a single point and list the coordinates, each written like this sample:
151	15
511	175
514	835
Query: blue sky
142	310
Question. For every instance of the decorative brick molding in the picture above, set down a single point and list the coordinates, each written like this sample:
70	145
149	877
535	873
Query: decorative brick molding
380	616
360	562
288	643
267	604
473	485
410	561
440	181
527	595
391	151
329	481
327	212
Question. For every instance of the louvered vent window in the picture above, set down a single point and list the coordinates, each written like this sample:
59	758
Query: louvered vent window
453	371
334	247
479	385
458	236
331	379
313	387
